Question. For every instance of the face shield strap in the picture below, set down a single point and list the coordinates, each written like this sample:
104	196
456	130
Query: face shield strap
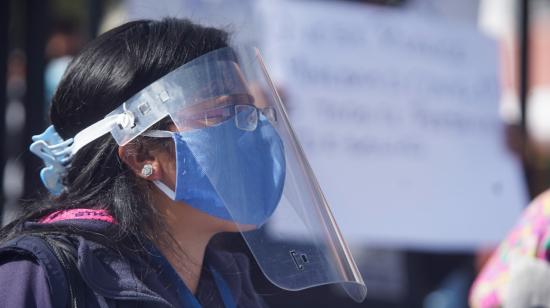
101	128
57	153
158	134
165	189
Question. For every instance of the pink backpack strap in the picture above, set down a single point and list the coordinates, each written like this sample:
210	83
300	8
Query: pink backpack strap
85	214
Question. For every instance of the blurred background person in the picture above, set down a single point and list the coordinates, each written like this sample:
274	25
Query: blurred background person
64	42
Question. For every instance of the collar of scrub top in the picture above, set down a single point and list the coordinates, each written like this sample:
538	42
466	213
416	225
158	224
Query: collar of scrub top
185	295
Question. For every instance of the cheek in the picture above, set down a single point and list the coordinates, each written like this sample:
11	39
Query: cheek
170	167
167	162
229	226
171	173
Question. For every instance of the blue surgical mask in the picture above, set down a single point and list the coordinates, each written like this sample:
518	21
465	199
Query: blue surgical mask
230	173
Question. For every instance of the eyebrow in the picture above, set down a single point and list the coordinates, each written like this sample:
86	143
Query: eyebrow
221	101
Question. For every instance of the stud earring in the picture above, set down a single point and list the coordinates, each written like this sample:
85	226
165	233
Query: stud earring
147	170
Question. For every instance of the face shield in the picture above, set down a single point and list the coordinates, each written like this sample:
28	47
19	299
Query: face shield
238	159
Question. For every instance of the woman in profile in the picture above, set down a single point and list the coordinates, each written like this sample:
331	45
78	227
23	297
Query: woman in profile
163	136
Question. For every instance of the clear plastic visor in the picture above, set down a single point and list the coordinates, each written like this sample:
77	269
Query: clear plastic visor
299	245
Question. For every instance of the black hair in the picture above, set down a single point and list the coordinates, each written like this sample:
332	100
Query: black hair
107	72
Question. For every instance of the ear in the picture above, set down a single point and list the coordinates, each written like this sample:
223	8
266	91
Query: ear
129	155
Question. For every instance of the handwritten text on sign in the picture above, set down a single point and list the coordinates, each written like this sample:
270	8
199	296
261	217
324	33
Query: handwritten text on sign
398	116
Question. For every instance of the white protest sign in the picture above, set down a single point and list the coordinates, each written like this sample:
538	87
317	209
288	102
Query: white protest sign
235	16
398	117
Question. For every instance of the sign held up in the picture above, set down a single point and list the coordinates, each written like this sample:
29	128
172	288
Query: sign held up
399	118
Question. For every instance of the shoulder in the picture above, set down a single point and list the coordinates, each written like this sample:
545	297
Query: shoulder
524	251
49	256
23	281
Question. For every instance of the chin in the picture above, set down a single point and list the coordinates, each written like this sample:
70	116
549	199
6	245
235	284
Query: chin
230	226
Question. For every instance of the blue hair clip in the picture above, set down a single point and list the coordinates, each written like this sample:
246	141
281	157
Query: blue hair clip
56	155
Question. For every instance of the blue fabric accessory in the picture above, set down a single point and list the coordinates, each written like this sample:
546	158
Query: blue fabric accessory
231	173
55	152
58	153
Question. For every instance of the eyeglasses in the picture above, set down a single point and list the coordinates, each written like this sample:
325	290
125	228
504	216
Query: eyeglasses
245	116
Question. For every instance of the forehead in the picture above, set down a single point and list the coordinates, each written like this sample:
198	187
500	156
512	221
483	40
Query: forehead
221	101
216	86
204	83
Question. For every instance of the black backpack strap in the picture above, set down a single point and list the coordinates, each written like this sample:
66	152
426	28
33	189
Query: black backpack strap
58	257
66	255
